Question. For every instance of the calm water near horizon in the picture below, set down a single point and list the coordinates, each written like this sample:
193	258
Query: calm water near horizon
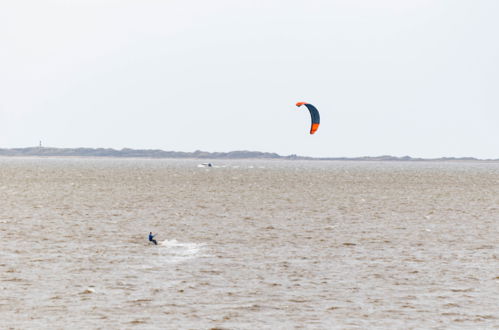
248	244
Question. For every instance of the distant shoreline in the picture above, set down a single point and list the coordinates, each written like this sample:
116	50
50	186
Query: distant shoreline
239	154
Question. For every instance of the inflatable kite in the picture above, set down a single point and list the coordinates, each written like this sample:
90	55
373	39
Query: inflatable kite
314	115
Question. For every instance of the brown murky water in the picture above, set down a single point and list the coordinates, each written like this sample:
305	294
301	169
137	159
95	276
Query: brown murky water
248	244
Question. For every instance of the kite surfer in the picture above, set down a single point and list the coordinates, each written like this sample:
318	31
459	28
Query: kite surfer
151	238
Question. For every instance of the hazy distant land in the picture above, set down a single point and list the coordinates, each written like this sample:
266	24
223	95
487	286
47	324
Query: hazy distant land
240	154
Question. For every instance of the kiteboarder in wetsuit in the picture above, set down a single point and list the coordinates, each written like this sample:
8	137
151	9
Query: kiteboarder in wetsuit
151	239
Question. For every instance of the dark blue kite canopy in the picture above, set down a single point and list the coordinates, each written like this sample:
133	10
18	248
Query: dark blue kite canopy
314	115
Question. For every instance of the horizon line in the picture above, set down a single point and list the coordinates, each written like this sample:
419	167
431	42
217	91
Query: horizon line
199	154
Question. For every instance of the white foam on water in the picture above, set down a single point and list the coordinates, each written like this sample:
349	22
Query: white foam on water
175	251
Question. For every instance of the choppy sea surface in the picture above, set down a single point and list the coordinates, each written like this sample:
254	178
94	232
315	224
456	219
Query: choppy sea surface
250	244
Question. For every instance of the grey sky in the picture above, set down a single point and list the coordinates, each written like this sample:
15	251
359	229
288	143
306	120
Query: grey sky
417	78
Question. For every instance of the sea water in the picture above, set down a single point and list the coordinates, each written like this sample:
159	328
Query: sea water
248	244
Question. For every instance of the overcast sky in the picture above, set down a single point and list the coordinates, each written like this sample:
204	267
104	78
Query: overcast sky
418	77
